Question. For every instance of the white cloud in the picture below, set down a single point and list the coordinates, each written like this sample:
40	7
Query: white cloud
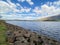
37	10
27	9
17	4
10	7
57	3
29	1
21	0
44	10
15	17
48	9
14	6
4	7
49	3
29	18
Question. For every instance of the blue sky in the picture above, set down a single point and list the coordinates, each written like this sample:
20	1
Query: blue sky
28	9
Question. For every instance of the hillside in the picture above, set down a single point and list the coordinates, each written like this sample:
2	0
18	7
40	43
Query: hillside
52	18
2	33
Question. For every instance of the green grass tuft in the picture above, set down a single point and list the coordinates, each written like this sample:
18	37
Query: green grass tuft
2	33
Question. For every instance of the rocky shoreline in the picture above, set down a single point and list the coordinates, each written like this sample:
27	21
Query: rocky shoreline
16	35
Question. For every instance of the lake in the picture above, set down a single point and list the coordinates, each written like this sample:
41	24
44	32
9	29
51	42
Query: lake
51	29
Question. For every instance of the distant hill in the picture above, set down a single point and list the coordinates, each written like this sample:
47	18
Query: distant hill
52	18
0	16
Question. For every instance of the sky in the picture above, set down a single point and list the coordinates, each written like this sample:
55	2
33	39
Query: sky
28	9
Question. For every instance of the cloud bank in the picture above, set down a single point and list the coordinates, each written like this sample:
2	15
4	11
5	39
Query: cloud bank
48	9
9	8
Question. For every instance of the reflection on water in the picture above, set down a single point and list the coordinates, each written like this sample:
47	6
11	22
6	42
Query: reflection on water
51	29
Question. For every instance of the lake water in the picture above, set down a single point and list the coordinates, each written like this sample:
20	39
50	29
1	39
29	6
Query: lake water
51	29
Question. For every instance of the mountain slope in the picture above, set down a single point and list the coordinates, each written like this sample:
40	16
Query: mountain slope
52	18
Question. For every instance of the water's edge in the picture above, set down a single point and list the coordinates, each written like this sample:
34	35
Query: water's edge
49	29
13	27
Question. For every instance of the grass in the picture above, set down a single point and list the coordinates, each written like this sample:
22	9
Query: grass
2	33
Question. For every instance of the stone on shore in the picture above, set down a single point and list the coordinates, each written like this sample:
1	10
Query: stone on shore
20	36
